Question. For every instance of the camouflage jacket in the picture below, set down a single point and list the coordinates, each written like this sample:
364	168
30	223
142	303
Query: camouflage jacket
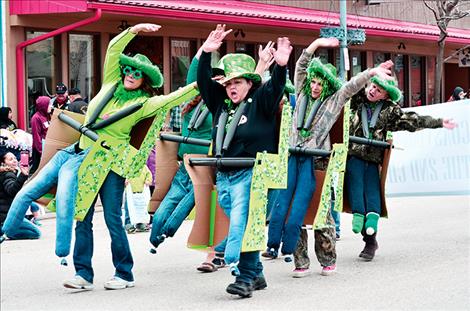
329	110
391	118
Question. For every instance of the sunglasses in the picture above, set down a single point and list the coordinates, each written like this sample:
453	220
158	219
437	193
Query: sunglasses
129	71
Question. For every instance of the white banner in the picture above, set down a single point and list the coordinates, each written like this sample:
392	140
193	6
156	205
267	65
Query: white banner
433	161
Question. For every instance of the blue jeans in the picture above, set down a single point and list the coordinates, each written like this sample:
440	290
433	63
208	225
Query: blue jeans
301	177
233	189
26	230
111	198
336	217
363	186
175	207
273	196
61	170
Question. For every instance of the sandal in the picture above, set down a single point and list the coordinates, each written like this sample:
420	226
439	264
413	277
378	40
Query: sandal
207	267
218	262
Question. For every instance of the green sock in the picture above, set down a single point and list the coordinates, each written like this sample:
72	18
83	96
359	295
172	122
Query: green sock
357	222
372	219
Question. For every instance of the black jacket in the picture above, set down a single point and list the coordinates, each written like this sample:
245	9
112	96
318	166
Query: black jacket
258	133
10	185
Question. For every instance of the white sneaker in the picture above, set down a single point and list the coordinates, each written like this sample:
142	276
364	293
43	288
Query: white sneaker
300	273
78	283
118	283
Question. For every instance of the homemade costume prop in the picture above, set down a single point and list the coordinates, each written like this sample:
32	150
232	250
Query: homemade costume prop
242	132
111	115
367	163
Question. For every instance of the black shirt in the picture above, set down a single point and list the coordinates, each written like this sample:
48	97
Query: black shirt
256	131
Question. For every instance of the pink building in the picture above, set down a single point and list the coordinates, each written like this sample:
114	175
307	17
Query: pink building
49	41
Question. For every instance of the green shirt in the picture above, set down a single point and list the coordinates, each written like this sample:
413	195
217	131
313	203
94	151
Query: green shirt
111	75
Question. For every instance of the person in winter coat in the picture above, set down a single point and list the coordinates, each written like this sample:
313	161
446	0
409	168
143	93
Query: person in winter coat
12	179
39	127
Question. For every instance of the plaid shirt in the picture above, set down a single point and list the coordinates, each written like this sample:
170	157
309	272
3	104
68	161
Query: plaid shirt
175	118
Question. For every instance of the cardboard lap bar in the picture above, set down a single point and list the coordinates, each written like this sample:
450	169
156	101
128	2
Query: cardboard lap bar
59	135
269	172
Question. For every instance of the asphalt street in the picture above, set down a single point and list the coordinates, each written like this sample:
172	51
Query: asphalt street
422	264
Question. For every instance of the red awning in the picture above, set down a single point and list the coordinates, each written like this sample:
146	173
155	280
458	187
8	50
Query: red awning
240	12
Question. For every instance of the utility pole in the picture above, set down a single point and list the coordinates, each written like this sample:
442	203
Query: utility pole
343	44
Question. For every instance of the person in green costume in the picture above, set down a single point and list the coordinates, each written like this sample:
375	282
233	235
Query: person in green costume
374	112
127	82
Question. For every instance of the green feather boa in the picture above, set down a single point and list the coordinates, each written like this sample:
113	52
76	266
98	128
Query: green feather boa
123	95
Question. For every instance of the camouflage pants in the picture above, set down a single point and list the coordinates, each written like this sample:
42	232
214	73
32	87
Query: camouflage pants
325	246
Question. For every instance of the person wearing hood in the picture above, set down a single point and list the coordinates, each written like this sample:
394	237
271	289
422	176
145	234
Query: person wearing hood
39	126
5	119
457	94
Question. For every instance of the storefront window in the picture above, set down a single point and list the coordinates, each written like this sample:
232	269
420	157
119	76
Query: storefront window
182	51
379	58
82	64
415	80
430	76
247	48
41	69
356	62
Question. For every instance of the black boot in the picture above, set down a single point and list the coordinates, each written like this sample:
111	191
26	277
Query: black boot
371	246
241	289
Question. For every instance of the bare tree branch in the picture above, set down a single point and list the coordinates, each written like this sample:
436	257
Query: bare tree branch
455	53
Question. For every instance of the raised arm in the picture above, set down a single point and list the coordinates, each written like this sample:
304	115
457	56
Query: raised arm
307	54
210	90
411	121
265	58
111	70
359	81
271	91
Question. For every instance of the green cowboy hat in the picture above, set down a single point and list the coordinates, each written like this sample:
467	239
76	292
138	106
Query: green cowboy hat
141	62
390	86
325	72
238	66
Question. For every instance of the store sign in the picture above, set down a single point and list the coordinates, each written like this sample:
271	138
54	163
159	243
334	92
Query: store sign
432	161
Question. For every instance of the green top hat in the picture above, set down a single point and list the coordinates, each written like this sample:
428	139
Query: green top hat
141	62
238	66
390	86
325	72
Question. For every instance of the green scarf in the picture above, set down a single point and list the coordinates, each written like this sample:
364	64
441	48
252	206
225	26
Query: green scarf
122	95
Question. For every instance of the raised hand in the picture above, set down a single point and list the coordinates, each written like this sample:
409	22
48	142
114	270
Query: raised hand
215	39
266	58
322	43
449	124
327	42
145	27
383	70
282	53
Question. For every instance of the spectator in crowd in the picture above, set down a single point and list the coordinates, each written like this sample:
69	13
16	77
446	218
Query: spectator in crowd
457	94
60	100
39	126
77	103
12	179
6	121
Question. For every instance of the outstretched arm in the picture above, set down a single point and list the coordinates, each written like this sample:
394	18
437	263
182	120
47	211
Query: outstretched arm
111	70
